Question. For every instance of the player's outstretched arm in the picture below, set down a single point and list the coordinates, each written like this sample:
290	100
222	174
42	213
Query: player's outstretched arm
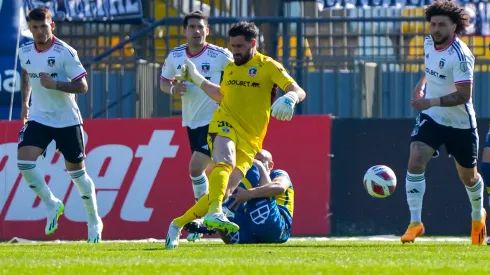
461	96
191	73
278	186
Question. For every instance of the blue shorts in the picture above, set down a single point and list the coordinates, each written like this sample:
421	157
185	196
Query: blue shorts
261	221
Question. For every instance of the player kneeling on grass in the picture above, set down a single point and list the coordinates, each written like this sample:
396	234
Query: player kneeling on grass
262	206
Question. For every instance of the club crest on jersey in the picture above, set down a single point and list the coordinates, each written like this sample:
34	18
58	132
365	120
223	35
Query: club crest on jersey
51	61
442	63
252	71
205	68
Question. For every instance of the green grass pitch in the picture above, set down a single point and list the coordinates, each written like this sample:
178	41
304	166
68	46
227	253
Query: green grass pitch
310	256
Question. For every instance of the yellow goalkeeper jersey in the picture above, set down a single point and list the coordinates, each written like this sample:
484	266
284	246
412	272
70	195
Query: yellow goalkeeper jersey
247	94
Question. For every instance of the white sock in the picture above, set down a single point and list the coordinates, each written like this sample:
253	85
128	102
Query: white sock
200	186
35	179
86	188
475	193
415	186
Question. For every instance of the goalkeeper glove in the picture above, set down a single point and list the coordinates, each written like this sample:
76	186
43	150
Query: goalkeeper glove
190	73
283	107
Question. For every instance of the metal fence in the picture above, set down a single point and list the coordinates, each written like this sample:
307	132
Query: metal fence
361	66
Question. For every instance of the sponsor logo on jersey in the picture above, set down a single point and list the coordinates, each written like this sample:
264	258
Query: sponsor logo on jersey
243	83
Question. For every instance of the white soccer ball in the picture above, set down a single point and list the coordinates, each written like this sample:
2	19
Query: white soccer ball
380	181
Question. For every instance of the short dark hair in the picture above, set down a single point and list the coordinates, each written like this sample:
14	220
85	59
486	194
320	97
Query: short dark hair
247	29
39	14
458	15
194	15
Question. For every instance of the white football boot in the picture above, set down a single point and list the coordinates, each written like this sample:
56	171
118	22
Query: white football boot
173	236
52	217
95	232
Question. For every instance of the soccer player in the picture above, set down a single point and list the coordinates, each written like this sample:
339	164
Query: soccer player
269	204
262	205
197	107
447	116
239	125
52	68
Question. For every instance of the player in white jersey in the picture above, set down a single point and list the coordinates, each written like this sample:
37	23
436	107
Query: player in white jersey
447	116
52	69
197	107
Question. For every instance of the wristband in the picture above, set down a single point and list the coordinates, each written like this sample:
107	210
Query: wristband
171	90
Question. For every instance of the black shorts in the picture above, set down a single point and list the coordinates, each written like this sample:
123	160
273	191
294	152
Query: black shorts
462	144
69	140
198	139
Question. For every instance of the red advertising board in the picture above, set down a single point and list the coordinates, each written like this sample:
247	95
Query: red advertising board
140	169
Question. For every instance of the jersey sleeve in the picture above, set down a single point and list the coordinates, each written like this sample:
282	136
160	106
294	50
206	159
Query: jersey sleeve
21	60
463	68
226	57
252	177
168	69
279	75
73	67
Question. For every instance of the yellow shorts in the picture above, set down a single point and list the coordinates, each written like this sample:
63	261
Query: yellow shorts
224	125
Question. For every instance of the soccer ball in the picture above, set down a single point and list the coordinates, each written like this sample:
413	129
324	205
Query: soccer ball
380	181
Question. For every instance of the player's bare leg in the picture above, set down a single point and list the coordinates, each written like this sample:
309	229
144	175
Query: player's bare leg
26	161
474	187
86	187
420	155
197	166
224	154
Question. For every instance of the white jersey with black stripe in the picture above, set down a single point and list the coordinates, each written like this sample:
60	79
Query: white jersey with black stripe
444	68
52	107
197	107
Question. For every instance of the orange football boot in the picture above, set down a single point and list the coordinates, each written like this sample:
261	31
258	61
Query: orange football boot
414	230
479	230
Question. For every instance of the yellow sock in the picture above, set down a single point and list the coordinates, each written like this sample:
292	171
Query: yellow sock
218	180
196	211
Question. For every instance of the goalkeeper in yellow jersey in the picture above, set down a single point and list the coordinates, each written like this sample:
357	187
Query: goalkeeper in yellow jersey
239	125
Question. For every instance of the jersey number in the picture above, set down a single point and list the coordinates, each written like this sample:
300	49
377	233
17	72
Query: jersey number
224	124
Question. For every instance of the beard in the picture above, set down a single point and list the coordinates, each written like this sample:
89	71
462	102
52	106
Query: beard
441	39
241	59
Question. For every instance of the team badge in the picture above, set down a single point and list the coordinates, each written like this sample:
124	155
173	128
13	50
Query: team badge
252	71
205	68
463	66
442	63
51	61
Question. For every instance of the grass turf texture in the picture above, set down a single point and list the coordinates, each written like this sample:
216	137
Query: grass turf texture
294	257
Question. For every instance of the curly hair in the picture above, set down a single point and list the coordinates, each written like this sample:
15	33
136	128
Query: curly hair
458	15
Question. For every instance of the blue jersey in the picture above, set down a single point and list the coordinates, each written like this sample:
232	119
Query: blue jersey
263	220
